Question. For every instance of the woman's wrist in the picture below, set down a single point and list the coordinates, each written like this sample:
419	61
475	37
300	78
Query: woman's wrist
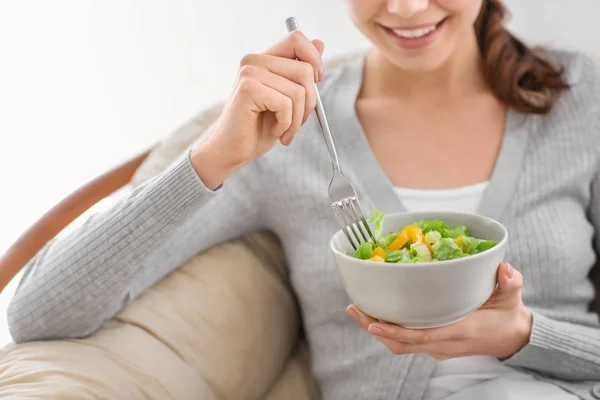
523	327
212	167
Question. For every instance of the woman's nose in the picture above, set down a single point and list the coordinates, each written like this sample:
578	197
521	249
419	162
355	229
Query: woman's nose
407	8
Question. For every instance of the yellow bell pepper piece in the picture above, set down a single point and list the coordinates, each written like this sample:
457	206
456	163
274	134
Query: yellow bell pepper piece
376	259
459	242
379	252
411	233
416	234
400	241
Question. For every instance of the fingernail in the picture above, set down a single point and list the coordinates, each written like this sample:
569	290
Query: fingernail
321	73
375	330
352	313
509	271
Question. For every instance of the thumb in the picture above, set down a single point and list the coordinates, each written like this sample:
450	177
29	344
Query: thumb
510	281
319	45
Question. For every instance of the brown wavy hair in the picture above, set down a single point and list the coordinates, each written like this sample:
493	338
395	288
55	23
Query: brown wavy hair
524	78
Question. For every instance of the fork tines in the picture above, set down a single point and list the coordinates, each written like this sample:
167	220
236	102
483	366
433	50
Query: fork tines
351	217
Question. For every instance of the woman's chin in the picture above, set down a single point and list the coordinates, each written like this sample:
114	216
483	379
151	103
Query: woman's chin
416	63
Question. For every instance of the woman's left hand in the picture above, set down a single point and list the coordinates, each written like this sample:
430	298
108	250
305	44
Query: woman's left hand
500	328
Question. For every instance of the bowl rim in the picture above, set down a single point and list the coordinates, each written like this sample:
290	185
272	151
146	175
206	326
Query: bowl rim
434	264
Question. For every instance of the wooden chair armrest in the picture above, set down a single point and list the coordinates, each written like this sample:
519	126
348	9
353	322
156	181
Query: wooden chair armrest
62	214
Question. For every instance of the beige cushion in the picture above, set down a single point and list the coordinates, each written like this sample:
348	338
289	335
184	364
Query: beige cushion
121	362
228	314
224	324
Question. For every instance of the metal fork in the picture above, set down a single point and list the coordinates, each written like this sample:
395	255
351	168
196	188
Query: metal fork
342	194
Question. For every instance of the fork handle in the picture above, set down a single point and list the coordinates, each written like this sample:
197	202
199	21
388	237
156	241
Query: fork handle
292	25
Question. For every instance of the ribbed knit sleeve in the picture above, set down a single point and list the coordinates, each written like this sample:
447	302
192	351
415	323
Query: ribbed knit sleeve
80	281
561	349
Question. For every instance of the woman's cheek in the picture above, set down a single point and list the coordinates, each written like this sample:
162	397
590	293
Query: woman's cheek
467	9
363	11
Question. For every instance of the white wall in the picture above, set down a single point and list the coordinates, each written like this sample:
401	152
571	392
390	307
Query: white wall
559	23
86	83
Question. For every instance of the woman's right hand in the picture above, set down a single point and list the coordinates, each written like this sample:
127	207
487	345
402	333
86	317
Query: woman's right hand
274	95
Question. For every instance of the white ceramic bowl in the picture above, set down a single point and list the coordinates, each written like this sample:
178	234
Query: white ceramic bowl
423	295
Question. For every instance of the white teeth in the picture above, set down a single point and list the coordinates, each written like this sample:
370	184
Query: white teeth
416	33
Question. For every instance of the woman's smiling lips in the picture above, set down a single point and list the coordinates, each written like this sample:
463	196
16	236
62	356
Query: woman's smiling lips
415	37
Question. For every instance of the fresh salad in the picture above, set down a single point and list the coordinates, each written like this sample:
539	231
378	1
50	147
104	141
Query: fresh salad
423	241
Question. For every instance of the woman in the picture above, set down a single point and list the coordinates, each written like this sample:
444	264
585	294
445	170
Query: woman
446	111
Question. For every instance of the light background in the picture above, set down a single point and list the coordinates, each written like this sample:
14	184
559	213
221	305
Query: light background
85	84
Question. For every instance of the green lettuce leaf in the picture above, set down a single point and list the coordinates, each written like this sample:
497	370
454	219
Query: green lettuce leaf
385	241
364	251
470	245
455	232
394	256
377	220
403	256
485	245
433	237
448	250
432	225
410	257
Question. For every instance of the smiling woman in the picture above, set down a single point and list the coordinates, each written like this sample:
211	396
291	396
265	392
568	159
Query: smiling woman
470	106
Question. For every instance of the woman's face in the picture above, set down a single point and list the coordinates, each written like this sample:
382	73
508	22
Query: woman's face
417	35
